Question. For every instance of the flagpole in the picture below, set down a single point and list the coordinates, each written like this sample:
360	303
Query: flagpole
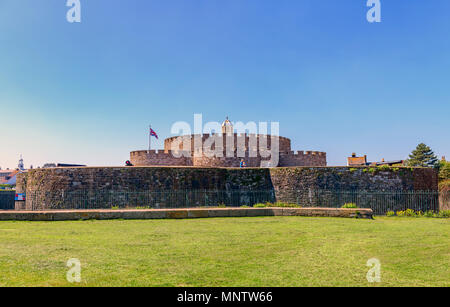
150	138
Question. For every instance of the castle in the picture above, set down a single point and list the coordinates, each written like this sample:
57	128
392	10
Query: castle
228	149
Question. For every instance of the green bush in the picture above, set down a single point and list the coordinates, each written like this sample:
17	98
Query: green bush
143	207
444	214
384	168
412	213
276	205
400	213
444	170
407	212
285	205
350	206
429	213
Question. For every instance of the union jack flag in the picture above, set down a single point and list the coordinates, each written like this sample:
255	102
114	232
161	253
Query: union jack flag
153	133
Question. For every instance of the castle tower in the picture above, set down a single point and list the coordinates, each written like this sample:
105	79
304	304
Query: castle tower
226	148
227	127
21	166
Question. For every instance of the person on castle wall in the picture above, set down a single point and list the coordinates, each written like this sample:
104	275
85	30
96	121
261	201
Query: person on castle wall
242	163
128	163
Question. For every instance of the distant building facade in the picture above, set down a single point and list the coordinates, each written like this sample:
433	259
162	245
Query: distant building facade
9	177
354	160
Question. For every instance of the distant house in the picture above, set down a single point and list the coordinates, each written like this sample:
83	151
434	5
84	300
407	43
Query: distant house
356	161
8	176
362	161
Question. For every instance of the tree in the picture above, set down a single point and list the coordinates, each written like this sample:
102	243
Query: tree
444	170
423	156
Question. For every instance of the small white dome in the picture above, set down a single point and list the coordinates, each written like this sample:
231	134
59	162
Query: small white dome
227	127
226	123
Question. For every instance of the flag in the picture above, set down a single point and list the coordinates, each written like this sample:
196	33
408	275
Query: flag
153	133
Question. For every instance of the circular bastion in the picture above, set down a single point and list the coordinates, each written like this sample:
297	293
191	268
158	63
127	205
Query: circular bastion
227	150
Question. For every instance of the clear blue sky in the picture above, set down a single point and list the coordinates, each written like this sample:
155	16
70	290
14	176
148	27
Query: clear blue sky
85	93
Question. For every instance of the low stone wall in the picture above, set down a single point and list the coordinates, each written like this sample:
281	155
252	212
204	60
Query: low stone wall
180	214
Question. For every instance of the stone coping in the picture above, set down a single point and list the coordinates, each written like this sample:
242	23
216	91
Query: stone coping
185	213
221	167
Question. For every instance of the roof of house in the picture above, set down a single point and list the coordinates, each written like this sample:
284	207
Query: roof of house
9	179
6	171
357	160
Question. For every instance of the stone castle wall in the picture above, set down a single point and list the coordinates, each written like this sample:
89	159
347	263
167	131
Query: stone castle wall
104	187
159	158
250	141
301	158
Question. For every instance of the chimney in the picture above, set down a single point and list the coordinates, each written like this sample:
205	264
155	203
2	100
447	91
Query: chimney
354	155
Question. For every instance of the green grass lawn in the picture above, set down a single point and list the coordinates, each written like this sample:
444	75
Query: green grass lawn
261	251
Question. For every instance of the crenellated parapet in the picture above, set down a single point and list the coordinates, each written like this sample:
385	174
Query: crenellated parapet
303	158
226	158
160	158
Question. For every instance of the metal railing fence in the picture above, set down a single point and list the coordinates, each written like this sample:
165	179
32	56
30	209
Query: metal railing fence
379	201
7	198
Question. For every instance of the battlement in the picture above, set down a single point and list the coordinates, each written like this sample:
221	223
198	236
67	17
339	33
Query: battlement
304	153
301	158
158	153
227	149
223	158
160	158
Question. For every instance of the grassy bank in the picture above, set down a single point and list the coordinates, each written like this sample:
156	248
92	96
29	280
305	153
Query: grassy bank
263	251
